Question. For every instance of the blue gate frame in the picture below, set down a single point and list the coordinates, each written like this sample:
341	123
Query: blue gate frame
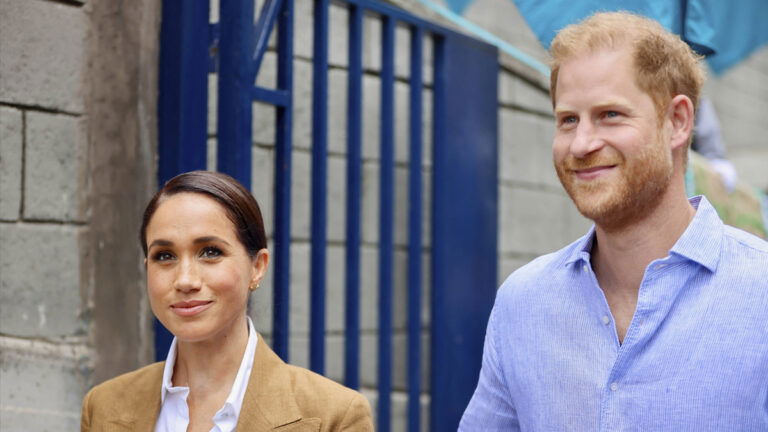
464	212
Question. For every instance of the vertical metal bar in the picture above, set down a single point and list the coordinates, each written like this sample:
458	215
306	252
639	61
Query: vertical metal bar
354	194
319	186
283	146
182	103
386	210
414	233
437	371
235	82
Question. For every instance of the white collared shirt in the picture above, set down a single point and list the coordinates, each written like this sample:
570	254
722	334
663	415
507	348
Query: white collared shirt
174	412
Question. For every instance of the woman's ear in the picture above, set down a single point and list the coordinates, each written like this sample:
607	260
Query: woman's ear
260	264
681	117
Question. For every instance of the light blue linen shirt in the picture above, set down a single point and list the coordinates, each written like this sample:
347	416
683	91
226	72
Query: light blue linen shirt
695	357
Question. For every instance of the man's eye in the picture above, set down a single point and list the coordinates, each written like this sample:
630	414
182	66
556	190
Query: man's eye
611	114
568	120
211	252
162	256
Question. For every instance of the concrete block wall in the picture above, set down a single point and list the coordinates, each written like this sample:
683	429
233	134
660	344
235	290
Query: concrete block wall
75	166
45	358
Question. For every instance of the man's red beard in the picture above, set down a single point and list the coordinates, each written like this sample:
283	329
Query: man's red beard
624	196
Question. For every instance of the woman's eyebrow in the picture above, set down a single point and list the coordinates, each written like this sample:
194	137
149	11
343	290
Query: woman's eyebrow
208	239
160	242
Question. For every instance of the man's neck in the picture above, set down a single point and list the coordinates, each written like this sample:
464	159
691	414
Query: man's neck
620	256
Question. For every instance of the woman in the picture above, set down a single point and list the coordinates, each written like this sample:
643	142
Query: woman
205	247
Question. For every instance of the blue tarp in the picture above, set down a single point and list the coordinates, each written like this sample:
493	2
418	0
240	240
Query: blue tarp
725	31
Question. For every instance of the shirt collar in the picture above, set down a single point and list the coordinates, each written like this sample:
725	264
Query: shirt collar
235	398
700	242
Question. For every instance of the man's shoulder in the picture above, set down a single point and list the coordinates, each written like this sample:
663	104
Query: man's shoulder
553	263
746	254
746	242
545	272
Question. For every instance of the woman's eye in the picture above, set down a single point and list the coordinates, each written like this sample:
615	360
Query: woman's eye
211	252
162	256
568	120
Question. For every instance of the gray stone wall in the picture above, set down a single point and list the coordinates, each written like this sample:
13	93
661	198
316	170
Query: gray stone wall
44	284
76	150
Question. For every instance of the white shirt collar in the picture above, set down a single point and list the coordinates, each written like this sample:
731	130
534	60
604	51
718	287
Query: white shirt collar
174	414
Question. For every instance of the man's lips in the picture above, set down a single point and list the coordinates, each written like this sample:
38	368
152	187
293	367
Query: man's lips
190	308
592	172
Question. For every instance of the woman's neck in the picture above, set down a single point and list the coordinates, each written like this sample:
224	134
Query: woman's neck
209	364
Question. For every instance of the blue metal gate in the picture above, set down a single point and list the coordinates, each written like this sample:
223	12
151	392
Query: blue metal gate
464	170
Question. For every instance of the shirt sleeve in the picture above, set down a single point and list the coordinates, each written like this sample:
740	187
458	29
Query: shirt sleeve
491	407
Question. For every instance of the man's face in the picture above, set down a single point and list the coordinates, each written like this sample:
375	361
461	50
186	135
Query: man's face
609	151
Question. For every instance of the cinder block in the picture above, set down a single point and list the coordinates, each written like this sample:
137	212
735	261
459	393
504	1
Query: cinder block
513	90
301	183
527	223
369	288
55	171
371	117
40	277
336	216
263	184
399	409
300	294
525	149
43	56
302	104
304	28
11	151
370	204
369	344
337	111
40	391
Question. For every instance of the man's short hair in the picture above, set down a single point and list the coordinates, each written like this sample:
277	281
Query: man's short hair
664	65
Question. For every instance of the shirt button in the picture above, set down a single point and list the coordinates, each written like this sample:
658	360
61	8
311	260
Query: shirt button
585	268
614	386
606	319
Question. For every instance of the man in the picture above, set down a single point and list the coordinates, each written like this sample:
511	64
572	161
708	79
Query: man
657	319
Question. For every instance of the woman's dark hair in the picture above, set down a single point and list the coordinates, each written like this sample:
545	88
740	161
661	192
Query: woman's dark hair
241	207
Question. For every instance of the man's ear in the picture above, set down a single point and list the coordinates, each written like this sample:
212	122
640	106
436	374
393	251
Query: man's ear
680	116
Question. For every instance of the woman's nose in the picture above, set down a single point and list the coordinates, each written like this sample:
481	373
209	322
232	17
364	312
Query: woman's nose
188	277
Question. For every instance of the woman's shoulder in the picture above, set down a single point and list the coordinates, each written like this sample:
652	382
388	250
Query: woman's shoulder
306	381
128	386
320	396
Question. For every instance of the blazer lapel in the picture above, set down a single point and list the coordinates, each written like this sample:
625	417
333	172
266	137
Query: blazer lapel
269	402
140	405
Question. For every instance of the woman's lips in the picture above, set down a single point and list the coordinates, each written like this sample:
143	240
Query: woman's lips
190	308
593	172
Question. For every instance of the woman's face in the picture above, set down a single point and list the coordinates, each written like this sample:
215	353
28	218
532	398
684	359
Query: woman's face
198	272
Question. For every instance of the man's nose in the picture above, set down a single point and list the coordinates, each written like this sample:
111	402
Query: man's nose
586	140
188	276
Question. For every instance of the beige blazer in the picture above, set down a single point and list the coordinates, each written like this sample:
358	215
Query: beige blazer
279	397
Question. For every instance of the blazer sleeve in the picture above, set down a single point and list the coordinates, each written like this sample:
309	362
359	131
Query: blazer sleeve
357	416
85	417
